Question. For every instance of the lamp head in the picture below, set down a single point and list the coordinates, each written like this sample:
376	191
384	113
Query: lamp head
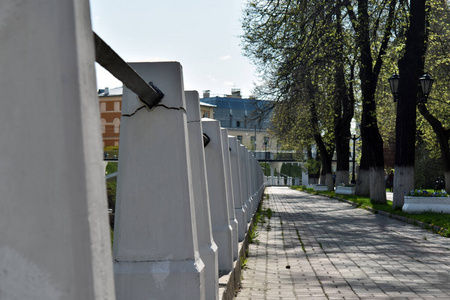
393	83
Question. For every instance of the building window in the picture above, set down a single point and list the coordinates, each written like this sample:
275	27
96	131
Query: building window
238	123
239	138
116	123
205	114
103	125
117	106
102	106
266	142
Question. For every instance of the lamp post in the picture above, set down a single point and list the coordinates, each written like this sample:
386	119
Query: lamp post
354	138
405	92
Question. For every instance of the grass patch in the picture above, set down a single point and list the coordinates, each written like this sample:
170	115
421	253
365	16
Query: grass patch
253	235
433	219
244	261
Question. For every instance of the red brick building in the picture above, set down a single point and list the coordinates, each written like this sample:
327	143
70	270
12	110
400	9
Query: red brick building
110	101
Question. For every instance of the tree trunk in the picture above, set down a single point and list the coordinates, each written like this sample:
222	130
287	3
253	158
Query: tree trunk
363	180
363	183
326	177
377	185
410	66
342	177
447	181
343	111
329	181
372	150
325	156
442	136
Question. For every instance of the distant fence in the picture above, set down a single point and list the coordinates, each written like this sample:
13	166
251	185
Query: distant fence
272	155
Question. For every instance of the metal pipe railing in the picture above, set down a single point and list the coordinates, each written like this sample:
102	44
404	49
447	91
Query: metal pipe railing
149	94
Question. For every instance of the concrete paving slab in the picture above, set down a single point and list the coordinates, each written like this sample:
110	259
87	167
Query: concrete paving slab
314	247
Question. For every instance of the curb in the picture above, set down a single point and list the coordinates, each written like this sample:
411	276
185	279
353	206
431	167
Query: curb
228	283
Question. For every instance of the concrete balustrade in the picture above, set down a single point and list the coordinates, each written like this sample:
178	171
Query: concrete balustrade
207	246
230	194
53	212
247	182
239	210
217	189
155	239
244	184
181	208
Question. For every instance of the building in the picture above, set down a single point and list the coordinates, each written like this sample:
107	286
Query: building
247	119
110	101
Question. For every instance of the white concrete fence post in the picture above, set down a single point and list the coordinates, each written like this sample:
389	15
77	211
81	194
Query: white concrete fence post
155	239
246	180
215	170
244	183
230	194
54	233
207	246
253	196
236	177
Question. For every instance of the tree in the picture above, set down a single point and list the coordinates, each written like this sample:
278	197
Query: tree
278	37
410	68
372	39
436	111
281	35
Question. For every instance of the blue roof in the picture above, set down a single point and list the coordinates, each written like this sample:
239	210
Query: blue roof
235	103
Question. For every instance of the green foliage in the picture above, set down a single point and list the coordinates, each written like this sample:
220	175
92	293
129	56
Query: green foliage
111	151
291	170
253	235
265	167
427	193
244	262
111	167
269	213
428	166
111	187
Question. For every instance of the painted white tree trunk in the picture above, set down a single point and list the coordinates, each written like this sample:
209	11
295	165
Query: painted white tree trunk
342	177
322	179
377	186
447	182
329	181
363	183
403	183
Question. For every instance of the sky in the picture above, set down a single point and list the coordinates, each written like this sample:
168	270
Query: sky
203	35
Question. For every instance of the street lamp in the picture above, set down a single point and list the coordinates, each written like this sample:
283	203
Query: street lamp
426	82
393	82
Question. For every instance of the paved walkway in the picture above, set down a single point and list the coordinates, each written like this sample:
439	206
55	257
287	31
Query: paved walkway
314	247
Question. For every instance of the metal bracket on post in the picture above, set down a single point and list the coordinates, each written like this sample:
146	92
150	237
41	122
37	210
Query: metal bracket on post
206	140
149	94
